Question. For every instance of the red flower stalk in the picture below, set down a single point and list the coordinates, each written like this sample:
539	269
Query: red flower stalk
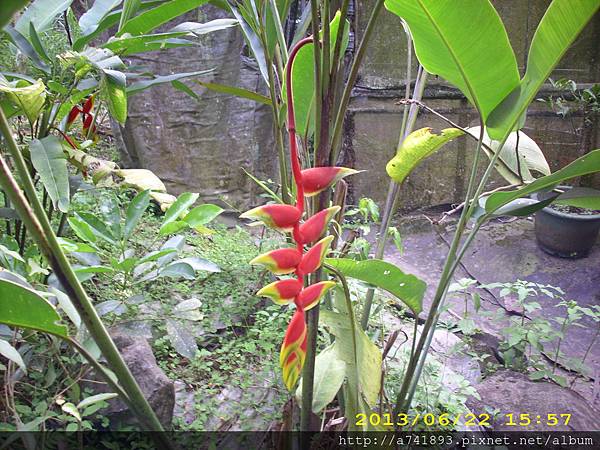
283	261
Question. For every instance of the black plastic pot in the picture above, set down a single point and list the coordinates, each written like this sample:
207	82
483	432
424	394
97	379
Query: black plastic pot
563	234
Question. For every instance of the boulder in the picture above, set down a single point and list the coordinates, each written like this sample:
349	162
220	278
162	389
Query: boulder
157	388
512	392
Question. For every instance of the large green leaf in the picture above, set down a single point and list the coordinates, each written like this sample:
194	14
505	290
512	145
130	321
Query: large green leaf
28	97
9	8
330	373
130	7
27	48
303	78
89	21
155	17
384	275
557	30
135	211
254	42
589	163
179	208
41	13
238	92
110	20
203	214
25	308
415	148
465	43
128	45
50	162
364	368
140	85
515	166
113	89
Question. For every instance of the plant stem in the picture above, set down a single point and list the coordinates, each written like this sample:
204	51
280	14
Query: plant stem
563	330
283	170
587	352
394	189
40	228
415	365
341	112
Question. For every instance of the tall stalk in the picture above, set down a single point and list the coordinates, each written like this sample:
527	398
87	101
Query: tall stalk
408	123
34	217
327	72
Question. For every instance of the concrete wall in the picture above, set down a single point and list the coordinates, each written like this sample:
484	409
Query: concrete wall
374	120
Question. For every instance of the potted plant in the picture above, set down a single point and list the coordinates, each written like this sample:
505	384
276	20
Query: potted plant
567	230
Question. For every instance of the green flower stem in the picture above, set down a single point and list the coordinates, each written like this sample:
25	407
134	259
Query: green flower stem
36	221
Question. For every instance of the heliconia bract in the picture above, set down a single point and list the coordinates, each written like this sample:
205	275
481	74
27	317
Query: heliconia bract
276	216
281	261
282	291
317	179
313	258
75	111
311	295
316	225
88	105
87	121
293	349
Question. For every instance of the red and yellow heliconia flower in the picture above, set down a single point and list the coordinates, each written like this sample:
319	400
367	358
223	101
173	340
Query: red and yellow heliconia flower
293	350
282	291
311	295
316	225
277	216
317	179
281	261
313	258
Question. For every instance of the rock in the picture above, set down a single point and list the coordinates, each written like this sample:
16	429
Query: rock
242	410
450	351
157	388
202	145
513	392
184	403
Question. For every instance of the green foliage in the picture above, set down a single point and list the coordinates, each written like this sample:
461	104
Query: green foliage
23	307
584	165
10	7
417	146
41	13
561	24
468	46
155	17
304	79
384	275
110	250
49	161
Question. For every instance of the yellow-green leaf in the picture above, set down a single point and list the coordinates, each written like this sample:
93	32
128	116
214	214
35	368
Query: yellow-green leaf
417	146
29	98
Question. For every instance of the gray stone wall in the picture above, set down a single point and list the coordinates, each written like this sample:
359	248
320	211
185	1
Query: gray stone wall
203	146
